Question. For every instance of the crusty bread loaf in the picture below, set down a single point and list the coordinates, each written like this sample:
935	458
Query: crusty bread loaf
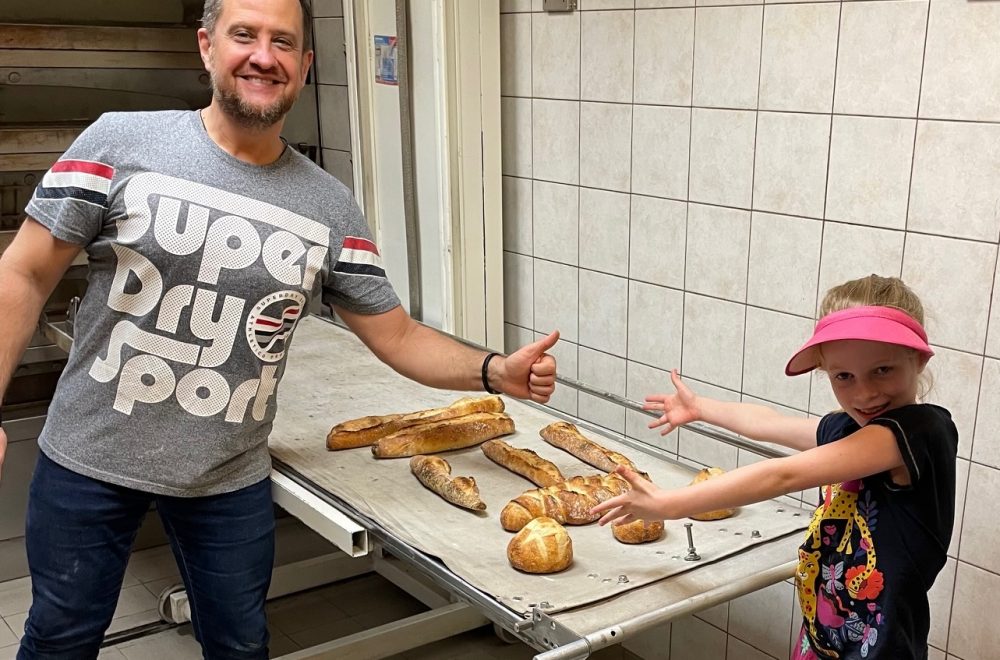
719	514
364	431
542	546
568	503
524	462
638	531
435	473
445	435
566	436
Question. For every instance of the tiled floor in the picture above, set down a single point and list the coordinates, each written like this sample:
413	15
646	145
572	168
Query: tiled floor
297	621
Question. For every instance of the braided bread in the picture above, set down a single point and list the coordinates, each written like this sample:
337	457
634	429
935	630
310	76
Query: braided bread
568	503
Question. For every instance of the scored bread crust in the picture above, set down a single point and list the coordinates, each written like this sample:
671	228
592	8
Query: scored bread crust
718	514
363	431
542	546
435	473
638	531
568	503
445	435
524	462
567	437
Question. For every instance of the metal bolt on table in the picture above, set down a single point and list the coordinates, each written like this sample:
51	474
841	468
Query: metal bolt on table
691	555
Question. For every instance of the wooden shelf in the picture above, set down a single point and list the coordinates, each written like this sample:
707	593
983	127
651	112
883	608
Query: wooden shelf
73	37
37	139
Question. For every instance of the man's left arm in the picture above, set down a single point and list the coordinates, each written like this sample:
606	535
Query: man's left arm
431	358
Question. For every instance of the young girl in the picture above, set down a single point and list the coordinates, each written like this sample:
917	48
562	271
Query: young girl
880	536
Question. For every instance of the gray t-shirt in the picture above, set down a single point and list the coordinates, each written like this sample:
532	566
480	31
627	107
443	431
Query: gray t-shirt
201	266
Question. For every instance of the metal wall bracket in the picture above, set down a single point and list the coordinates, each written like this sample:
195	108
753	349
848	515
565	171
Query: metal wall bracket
559	5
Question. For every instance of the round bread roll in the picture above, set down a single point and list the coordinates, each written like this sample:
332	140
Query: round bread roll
719	514
638	531
542	546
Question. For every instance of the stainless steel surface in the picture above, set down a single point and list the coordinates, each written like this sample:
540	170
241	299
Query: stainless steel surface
59	333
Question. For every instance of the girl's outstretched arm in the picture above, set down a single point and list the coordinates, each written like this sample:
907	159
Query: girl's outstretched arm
750	420
869	451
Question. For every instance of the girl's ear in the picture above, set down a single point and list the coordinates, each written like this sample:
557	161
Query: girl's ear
922	360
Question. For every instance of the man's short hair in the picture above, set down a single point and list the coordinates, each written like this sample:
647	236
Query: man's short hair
214	7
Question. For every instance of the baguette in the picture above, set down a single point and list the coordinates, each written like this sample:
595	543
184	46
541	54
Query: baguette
566	436
435	473
524	462
445	435
568	503
364	431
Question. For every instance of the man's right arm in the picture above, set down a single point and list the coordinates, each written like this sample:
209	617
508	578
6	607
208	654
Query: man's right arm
30	268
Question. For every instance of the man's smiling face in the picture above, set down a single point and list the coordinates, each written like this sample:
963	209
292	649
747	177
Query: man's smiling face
256	60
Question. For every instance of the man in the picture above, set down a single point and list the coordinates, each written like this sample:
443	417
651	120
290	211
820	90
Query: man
205	236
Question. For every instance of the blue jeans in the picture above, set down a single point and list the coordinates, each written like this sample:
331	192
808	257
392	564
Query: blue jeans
80	533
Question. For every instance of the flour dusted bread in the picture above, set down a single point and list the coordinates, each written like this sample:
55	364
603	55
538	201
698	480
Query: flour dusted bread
568	503
720	514
464	431
542	546
435	473
364	431
638	531
524	462
567	437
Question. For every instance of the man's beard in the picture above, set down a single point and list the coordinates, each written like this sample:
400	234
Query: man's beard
246	114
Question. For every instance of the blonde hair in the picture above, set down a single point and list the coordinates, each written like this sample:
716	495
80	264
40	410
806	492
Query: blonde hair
882	292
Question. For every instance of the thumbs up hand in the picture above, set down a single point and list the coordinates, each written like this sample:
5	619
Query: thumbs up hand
527	373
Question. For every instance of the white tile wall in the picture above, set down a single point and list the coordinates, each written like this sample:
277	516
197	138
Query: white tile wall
607	373
660	139
517	201
879	57
555	140
870	170
606	56
605	145
784	262
604	231
791	162
962	63
604	312
722	156
656	241
732	161
557	207
798	58
716	236
555	55
727	56
956	167
664	56
655	319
